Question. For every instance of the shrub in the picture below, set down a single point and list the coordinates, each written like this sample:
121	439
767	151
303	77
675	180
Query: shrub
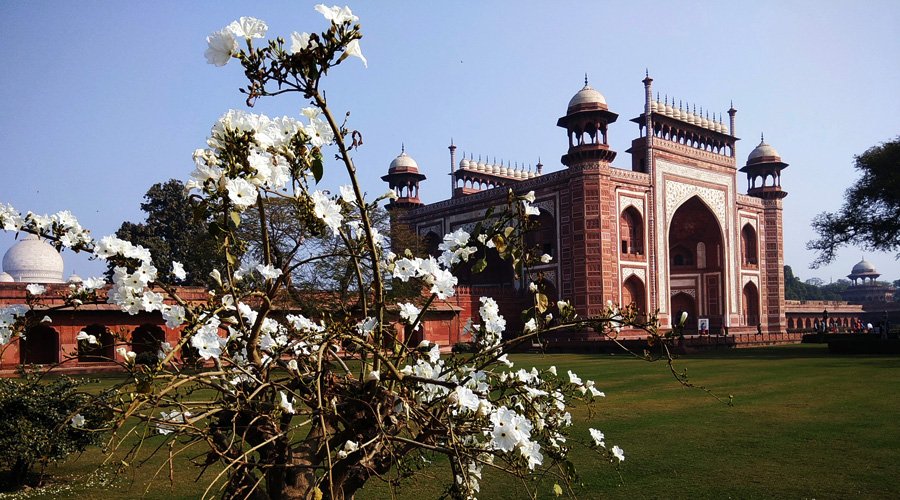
37	425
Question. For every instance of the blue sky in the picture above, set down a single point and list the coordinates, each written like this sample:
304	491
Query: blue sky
104	99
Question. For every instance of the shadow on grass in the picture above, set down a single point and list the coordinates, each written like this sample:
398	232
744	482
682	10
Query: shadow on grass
779	352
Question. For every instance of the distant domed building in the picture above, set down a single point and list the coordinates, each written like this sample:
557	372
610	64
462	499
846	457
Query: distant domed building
32	260
864	286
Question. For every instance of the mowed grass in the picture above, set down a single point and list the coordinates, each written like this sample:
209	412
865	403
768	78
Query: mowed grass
805	424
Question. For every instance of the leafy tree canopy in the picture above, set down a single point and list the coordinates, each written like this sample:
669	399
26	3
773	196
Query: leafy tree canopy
173	233
870	216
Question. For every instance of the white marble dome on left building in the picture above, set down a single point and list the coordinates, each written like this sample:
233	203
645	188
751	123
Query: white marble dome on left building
32	260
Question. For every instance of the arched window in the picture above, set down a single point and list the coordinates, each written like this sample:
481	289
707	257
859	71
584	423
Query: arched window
631	232
147	338
748	246
103	350
41	346
543	234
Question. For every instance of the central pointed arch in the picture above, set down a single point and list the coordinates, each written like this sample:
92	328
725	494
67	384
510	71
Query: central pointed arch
696	258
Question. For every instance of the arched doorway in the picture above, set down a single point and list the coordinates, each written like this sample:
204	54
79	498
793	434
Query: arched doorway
683	302
633	292
751	304
103	350
696	261
147	338
40	347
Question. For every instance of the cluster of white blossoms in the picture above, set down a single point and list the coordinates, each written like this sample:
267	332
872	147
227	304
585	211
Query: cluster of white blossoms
489	334
431	271
514	424
455	248
62	226
222	45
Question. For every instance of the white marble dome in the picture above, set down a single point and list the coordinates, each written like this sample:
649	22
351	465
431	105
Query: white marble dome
32	260
404	162
6	278
587	96
763	150
863	267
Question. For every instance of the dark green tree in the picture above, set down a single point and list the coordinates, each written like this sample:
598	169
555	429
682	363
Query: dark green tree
870	216
173	232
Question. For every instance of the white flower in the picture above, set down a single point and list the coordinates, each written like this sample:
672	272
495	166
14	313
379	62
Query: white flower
93	284
83	335
248	27
336	15
530	209
532	287
618	453
409	312
347	194
354	50
242	193
310	112
327	210
683	318
319	132
529	197
129	356
178	270
373	375
35	289
77	421
531	326
285	405
552	370
597	436
573	378
164	349
443	282
269	271
301	42
531	450
349	447
546	258
221	47
404	269
465	398
174	315
207	340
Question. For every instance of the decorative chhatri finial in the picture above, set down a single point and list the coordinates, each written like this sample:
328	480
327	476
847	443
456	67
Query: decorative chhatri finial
647	72
762	138
402	148
585	80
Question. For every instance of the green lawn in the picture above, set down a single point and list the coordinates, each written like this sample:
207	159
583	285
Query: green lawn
805	424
